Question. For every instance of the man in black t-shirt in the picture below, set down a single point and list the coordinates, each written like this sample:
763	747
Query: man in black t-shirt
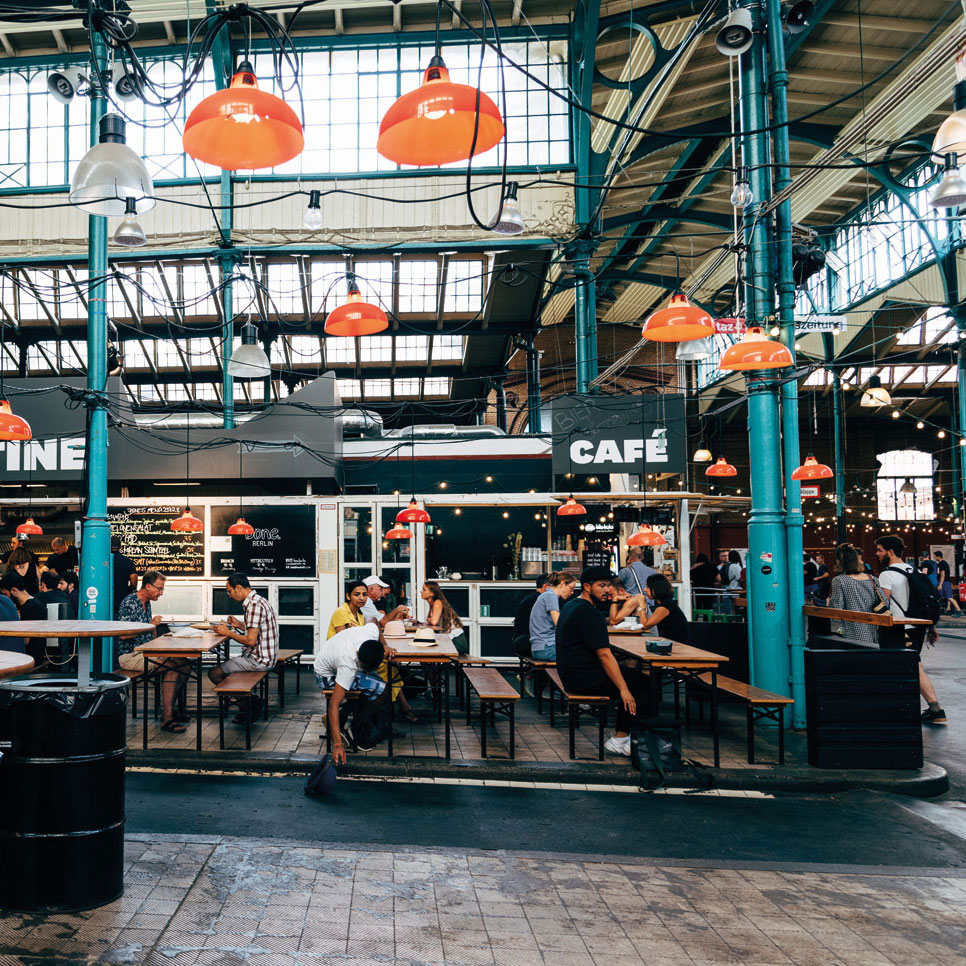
12	586
63	556
944	584
586	663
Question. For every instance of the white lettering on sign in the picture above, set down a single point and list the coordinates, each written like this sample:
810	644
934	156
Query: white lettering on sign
821	323
92	593
62	454
621	451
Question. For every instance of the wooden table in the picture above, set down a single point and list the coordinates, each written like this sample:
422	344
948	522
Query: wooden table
13	663
84	631
863	617
190	649
686	660
439	657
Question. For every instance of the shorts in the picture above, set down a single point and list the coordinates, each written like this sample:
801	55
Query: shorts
242	663
370	685
946	590
131	661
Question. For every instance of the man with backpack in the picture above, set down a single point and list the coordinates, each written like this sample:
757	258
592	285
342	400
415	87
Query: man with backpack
910	594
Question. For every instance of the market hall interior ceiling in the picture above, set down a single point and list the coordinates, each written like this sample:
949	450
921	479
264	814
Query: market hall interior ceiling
467	307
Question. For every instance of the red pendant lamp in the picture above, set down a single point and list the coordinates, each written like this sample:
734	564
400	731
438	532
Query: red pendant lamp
646	537
571	508
756	351
13	428
721	468
355	317
243	127
187	523
398	532
811	469
412	514
241	528
680	321
29	528
435	123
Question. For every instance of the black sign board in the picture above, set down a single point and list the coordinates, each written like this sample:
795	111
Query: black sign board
596	558
147	538
619	434
283	544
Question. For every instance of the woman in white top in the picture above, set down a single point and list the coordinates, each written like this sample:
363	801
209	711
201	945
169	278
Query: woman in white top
544	616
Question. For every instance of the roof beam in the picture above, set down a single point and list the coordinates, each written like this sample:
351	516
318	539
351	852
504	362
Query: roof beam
7	46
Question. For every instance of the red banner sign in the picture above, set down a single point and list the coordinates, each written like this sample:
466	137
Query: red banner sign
729	326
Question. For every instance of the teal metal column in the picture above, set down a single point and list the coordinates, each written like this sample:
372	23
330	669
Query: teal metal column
95	575
794	521
960	492
839	458
585	316
767	564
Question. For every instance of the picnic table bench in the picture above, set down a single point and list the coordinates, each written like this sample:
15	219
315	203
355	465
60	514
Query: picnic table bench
496	695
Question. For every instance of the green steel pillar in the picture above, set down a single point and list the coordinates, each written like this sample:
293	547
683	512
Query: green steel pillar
960	492
794	521
585	316
95	575
837	408
767	563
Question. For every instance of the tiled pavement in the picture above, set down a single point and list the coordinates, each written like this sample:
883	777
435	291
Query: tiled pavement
233	902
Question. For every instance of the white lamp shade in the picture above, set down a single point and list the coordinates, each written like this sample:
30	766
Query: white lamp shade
511	221
697	350
249	362
951	136
951	192
107	176
130	234
875	396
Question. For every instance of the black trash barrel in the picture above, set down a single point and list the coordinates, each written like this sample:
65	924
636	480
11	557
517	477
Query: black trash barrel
62	792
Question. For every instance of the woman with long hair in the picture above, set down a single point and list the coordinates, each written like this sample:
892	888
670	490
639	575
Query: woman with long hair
667	617
442	617
544	616
854	589
21	561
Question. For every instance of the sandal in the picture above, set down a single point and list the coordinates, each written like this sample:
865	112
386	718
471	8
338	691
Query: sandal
175	727
410	716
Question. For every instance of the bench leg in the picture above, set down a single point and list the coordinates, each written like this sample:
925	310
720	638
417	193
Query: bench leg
264	689
512	731
221	721
572	716
134	700
553	700
751	734
483	716
248	732
601	722
298	674
469	693
781	734
280	668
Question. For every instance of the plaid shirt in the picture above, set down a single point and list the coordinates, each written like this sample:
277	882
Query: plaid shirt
133	610
259	614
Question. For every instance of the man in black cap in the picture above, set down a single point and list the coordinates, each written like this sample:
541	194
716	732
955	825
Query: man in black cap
586	663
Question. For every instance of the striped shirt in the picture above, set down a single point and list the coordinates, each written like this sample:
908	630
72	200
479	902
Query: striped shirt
259	614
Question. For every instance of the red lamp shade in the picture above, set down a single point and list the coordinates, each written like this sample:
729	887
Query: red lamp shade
243	127
721	468
29	528
755	351
645	537
412	514
187	523
355	317
399	533
13	428
679	322
241	528
571	508
434	124
811	469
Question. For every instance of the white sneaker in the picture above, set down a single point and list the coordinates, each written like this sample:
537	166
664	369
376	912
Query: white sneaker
618	746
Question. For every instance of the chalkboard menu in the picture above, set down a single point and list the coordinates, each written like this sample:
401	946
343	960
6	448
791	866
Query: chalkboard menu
283	544
596	558
147	538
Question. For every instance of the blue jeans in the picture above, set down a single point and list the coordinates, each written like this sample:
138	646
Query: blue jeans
547	654
370	685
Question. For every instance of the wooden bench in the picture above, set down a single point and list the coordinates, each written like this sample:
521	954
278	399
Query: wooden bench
287	657
327	692
598	703
239	684
495	695
132	676
464	661
759	704
530	667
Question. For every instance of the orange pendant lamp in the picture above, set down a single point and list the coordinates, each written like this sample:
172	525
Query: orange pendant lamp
29	528
412	514
243	127
811	469
355	317
13	428
721	468
571	508
398	532
646	537
187	523
241	528
680	321
755	351
435	123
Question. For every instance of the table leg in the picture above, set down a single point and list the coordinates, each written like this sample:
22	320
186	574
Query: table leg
512	735
655	677
781	734
483	716
83	662
439	691
714	714
392	707
446	710
198	705
750	718
221	721
145	674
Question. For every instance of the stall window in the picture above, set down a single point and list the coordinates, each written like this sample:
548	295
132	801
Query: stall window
296	601
222	604
395	551
298	636
496	642
498	602
357	534
459	598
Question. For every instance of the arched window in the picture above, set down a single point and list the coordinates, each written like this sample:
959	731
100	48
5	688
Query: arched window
904	485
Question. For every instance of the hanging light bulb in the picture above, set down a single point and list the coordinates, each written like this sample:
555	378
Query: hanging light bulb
355	317
875	395
755	351
110	173
741	194
13	429
29	528
241	528
697	350
680	321
509	220
908	487
646	537
435	124
129	232
951	192
811	469
721	468
187	523
571	508
702	455
313	211
249	360
413	513
397	532
243	126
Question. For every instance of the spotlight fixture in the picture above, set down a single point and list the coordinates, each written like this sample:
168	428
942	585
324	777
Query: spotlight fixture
509	219
249	360
114	362
64	84
797	16
736	36
741	194
875	395
129	232
125	87
951	192
909	488
313	211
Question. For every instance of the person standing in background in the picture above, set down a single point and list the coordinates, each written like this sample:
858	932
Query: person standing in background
944	584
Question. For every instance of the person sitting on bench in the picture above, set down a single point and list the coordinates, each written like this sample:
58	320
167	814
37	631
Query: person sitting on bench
348	661
585	662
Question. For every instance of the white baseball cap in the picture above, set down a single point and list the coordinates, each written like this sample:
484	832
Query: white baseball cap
370	581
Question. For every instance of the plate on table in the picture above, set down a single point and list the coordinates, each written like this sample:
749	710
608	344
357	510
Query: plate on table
202	627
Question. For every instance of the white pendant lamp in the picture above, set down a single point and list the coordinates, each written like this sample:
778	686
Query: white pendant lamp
509	221
875	395
129	232
249	361
951	192
697	350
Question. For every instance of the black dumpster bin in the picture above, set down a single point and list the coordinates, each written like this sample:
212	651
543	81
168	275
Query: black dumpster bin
862	705
62	792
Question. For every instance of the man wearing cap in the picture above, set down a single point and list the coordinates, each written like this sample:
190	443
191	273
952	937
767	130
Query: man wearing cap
375	588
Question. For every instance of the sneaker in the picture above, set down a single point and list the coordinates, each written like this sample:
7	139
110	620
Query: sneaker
356	744
933	717
618	746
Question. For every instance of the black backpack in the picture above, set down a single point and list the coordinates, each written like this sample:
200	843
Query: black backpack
923	597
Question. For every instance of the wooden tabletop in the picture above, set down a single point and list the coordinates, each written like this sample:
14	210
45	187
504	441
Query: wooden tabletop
405	649
863	617
13	663
72	629
172	644
682	655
